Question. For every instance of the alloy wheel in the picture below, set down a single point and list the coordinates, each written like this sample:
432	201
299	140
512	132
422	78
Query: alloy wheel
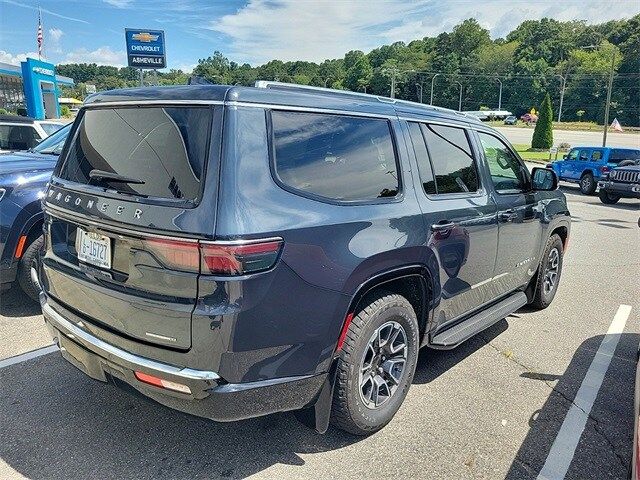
383	364
552	271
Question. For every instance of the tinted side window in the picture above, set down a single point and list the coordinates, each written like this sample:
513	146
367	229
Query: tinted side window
506	171
451	157
596	156
573	155
422	156
335	156
18	137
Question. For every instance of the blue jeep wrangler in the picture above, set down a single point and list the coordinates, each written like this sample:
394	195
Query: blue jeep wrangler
586	165
234	251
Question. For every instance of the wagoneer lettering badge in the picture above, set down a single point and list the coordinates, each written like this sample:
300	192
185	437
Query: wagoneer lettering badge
89	204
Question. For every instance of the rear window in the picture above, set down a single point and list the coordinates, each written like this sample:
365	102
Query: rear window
18	137
163	147
335	156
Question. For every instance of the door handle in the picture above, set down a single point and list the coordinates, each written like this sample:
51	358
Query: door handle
443	226
507	215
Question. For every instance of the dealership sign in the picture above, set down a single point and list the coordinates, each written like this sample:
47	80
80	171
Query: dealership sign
145	48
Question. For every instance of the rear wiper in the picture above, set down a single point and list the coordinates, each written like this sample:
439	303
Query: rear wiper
96	174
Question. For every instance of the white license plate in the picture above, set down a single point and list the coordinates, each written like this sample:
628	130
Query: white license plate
94	248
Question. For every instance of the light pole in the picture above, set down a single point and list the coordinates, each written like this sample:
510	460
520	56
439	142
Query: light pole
460	101
608	104
609	88
500	94
325	81
432	80
419	85
564	84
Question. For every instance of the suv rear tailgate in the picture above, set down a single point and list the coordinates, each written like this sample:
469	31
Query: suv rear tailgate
109	255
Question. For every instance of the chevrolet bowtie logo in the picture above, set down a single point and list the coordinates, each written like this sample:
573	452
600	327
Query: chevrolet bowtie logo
144	37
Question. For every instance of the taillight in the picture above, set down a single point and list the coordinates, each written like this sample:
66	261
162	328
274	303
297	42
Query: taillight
605	169
175	254
239	259
215	257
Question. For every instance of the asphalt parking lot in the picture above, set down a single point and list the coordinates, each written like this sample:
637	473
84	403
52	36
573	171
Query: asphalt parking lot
492	408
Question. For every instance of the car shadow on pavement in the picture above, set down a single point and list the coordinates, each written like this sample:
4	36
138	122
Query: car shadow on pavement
59	424
573	194
15	303
433	363
605	447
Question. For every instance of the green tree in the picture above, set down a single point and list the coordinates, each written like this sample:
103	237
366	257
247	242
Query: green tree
359	75
543	133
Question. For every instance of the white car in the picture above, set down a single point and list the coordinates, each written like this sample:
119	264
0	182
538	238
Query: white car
23	133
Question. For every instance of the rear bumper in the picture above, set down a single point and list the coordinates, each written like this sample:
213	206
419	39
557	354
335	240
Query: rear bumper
627	190
211	396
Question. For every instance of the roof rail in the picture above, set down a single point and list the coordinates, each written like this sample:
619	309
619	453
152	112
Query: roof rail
349	93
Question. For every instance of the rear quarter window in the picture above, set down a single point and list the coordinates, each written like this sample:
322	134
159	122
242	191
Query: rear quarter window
335	157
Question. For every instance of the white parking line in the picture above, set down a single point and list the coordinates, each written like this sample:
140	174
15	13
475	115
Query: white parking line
28	356
564	446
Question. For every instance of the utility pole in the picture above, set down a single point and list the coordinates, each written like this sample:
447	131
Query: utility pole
500	94
460	101
393	83
432	80
564	84
419	85
608	104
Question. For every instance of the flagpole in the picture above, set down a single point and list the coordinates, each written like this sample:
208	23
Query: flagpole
607	105
39	35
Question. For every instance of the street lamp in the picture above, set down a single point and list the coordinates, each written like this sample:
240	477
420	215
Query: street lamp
325	81
419	85
500	94
460	101
432	80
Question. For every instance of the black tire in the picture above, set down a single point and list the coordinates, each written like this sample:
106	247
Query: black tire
608	198
588	184
544	295
28	284
349	410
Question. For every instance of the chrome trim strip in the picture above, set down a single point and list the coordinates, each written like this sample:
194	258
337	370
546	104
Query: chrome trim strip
62	214
152	102
248	241
109	352
296	108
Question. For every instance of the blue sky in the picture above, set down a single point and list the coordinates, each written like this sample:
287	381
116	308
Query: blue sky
256	31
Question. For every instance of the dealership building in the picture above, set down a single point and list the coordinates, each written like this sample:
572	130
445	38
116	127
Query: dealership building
33	87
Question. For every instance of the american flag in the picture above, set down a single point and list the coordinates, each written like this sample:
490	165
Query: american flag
616	125
39	36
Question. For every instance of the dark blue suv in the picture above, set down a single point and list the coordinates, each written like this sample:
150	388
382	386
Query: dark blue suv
232	251
23	180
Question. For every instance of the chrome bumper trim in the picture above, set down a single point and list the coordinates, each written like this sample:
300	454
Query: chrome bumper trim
113	353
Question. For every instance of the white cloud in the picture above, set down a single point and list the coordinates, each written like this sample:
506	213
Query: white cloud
314	30
6	57
101	56
118	3
55	34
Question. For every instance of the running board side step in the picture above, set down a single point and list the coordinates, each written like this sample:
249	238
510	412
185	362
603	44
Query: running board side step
454	336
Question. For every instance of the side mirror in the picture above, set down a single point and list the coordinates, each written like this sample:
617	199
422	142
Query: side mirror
544	179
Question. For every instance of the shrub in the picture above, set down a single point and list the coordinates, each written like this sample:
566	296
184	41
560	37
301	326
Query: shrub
543	133
65	111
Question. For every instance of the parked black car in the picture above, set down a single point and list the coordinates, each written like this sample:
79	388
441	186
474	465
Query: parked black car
232	251
621	182
23	180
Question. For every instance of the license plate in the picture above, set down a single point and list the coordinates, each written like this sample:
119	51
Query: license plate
94	248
